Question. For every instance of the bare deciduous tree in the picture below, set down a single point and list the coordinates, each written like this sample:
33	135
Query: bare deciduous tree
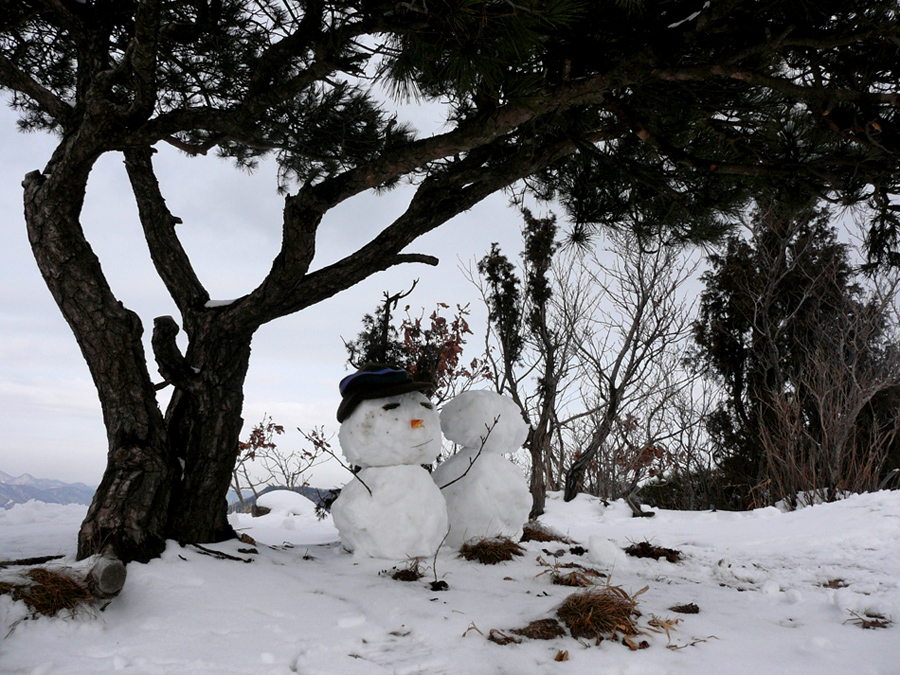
262	462
632	321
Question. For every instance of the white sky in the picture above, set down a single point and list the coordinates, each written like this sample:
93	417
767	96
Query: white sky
49	414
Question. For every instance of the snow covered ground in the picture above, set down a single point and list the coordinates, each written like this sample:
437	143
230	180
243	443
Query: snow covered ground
777	593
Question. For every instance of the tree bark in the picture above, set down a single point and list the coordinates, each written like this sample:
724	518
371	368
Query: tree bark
538	444
576	471
204	423
166	478
128	513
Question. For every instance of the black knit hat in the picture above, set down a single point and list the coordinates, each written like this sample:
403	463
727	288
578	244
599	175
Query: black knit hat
375	380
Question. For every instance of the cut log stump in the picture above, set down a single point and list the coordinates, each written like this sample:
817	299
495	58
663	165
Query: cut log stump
107	577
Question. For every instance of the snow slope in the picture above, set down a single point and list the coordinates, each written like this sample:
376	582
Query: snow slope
305	606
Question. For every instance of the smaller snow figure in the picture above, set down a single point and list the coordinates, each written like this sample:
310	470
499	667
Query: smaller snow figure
389	428
489	497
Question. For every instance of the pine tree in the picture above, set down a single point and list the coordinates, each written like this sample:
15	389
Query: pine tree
797	344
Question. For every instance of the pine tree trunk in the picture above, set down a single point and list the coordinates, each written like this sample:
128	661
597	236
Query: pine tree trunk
166	478
539	446
128	513
204	424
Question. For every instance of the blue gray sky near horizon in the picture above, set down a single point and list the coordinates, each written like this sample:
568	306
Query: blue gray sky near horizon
51	420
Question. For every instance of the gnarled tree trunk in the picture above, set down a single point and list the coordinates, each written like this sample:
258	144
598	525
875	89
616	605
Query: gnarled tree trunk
204	422
129	510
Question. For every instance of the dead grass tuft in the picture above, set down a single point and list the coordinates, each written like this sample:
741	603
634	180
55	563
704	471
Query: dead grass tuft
542	629
407	575
580	577
570	574
870	620
600	613
491	551
49	592
645	549
412	571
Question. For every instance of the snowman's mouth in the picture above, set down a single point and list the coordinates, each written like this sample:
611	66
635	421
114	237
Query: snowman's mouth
417	424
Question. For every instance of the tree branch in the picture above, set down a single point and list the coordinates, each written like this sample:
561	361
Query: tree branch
15	79
438	199
172	364
141	58
779	84
169	257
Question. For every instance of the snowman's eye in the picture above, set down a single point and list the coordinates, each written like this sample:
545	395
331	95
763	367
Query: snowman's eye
425	404
390	406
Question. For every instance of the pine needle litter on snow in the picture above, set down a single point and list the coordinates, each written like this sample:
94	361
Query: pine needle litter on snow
491	551
412	571
599	613
570	574
869	621
542	629
689	608
645	549
536	531
49	592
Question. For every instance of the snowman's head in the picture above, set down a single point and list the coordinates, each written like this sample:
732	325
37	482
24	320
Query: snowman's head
484	419
389	431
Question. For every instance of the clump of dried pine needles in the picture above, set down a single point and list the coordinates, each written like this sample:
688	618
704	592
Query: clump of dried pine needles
491	551
869	620
601	612
412	571
644	549
48	592
541	629
570	574
536	531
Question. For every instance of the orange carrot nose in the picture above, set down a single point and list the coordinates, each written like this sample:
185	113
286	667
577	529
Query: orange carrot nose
417	424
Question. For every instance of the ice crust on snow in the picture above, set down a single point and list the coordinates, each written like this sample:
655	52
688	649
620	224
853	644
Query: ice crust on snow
489	497
375	436
405	516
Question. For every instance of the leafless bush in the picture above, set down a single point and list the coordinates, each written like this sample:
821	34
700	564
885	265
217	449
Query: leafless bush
263	463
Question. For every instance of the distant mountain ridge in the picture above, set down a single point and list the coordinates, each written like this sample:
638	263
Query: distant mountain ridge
20	489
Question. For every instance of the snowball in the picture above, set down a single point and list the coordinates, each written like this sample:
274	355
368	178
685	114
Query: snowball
467	418
603	551
403	429
287	502
491	500
404	517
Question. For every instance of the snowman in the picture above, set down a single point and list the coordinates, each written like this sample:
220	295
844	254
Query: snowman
486	494
389	428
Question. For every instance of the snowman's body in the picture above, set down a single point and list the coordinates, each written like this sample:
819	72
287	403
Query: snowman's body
393	509
486	494
404	517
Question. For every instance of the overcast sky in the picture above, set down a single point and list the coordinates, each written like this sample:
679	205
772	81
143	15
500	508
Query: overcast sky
49	414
